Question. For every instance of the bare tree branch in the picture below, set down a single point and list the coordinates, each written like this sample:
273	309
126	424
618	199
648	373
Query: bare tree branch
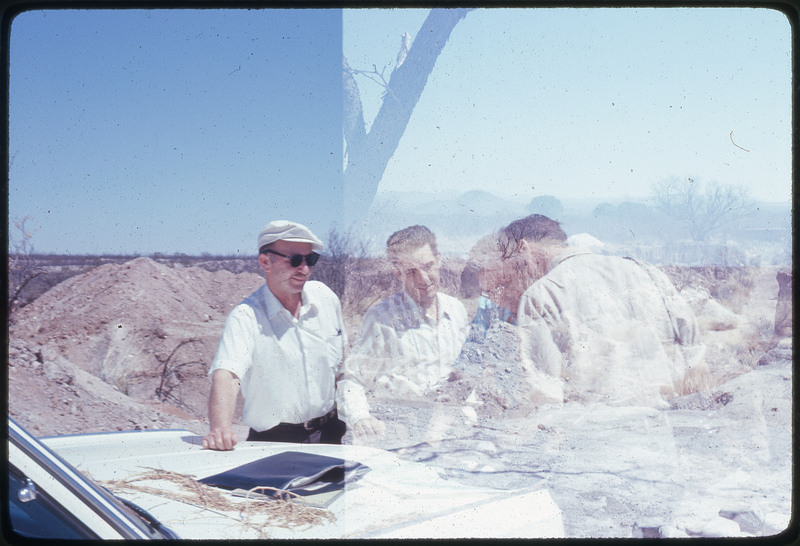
702	210
368	154
22	266
171	373
354	128
343	252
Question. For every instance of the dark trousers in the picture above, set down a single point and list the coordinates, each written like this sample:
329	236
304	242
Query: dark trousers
330	433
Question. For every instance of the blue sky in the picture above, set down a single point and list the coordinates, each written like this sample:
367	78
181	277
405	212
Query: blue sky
593	103
173	131
185	131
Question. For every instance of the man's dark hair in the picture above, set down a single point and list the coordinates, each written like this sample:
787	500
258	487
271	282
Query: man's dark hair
470	280
534	228
410	238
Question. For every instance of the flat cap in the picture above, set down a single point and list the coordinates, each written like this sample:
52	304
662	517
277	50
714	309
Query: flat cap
284	230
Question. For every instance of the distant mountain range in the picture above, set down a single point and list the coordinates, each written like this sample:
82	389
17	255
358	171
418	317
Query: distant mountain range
459	220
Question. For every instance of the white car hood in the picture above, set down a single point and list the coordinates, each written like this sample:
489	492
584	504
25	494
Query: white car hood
396	498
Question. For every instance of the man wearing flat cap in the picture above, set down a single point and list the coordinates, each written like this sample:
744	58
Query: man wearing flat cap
282	346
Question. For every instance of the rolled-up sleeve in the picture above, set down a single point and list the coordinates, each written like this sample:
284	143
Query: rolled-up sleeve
236	346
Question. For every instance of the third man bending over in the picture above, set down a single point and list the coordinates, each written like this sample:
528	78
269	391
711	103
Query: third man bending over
594	328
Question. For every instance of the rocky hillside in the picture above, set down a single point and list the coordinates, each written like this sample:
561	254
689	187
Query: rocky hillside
122	346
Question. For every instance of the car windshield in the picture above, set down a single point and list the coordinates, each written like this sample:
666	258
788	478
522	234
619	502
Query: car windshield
35	513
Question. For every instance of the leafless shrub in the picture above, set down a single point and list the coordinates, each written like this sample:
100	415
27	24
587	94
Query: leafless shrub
757	341
172	371
22	265
341	258
731	286
728	360
375	281
702	209
450	276
697	379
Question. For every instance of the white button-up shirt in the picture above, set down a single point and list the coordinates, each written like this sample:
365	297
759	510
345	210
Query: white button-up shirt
402	351
287	366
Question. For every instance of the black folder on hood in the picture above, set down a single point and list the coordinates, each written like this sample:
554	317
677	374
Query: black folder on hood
293	471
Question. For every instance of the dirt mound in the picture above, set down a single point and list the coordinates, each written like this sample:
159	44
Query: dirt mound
147	330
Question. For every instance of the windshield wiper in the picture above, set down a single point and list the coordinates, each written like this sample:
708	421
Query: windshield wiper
156	526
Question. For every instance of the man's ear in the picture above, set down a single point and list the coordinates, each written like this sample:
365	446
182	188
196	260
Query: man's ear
264	262
524	246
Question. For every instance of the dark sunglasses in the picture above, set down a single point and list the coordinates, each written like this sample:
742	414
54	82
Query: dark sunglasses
296	259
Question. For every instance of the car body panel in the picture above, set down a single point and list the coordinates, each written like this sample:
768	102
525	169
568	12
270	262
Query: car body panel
396	498
90	508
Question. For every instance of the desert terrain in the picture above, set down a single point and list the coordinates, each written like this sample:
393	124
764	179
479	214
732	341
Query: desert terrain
126	346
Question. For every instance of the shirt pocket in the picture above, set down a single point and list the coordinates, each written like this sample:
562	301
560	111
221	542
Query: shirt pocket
335	349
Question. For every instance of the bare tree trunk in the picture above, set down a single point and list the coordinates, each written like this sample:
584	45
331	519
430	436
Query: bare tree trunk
369	153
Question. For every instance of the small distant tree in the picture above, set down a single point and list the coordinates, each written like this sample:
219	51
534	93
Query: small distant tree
604	210
22	265
702	209
546	205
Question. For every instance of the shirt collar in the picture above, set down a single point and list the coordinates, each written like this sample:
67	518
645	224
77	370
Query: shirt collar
273	305
565	254
417	310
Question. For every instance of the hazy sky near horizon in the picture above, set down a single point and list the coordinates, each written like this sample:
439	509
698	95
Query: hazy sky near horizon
137	131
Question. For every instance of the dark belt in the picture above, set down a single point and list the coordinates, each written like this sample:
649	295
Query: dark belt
313	424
